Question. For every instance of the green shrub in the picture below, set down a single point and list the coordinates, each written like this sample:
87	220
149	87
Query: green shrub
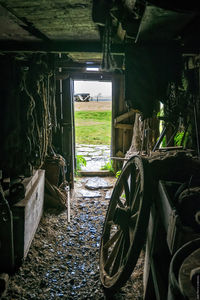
108	166
118	173
80	162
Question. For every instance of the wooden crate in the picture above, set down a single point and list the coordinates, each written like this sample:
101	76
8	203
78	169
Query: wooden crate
27	214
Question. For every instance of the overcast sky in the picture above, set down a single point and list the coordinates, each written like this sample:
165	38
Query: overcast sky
93	87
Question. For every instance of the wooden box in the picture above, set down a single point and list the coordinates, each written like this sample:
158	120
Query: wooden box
27	214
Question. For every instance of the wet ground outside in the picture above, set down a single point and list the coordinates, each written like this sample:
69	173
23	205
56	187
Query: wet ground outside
63	261
96	156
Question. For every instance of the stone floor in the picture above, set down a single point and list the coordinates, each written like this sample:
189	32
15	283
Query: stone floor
63	261
96	155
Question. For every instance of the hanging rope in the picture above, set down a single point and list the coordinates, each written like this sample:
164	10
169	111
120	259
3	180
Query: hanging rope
108	62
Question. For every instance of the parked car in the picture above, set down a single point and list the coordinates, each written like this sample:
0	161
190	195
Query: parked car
82	97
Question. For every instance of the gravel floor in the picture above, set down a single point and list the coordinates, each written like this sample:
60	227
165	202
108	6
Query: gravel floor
63	259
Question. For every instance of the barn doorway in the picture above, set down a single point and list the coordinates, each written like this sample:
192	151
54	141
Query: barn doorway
92	115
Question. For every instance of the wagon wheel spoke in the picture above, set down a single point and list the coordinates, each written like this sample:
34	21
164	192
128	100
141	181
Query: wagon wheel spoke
119	202
133	221
133	181
136	196
112	240
113	254
126	191
126	244
118	258
125	224
122	253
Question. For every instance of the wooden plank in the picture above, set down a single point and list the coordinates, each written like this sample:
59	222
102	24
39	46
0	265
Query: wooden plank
68	136
26	217
95	173
68	205
33	210
124	116
119	158
58	46
124	126
28	182
170	148
150	242
66	63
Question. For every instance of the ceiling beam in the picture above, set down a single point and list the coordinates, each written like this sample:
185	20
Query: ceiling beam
83	75
23	23
57	46
67	63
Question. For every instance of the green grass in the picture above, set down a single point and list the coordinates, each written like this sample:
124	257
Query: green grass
93	127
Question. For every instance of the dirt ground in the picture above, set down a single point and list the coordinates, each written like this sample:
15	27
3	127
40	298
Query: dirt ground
93	105
63	261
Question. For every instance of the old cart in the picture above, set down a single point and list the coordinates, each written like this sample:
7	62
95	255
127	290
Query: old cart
149	194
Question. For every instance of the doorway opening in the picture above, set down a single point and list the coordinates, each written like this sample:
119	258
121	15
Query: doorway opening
93	114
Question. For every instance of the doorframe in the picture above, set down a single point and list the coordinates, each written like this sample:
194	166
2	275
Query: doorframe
93	76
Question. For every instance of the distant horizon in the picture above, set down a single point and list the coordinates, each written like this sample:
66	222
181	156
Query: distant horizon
94	88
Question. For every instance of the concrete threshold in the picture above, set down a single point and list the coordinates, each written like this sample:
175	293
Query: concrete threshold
95	173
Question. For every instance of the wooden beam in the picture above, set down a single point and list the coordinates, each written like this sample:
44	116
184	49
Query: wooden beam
119	158
82	74
68	204
124	116
95	173
67	63
57	46
23	24
124	126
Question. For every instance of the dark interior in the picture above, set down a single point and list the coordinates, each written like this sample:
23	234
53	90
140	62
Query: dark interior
151	53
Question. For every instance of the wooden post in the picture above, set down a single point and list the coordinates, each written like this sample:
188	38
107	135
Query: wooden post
68	143
121	132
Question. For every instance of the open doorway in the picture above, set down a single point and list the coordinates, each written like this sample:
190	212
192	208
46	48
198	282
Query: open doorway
93	114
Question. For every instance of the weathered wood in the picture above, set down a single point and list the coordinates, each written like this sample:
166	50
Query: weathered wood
147	276
119	158
68	63
68	205
28	182
68	135
170	148
95	173
174	165
58	46
124	126
124	116
26	217
128	212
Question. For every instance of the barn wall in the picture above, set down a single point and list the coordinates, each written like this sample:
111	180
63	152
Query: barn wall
27	111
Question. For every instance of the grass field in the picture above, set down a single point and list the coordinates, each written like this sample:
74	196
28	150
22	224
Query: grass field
93	126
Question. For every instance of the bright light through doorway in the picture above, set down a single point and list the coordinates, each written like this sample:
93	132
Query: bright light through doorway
94	88
93	123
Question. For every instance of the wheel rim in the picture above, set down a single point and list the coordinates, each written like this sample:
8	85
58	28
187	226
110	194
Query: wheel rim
121	241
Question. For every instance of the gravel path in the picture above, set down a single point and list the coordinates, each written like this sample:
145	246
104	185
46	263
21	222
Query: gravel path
62	262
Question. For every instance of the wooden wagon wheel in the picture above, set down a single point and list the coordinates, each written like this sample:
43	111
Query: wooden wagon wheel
125	224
